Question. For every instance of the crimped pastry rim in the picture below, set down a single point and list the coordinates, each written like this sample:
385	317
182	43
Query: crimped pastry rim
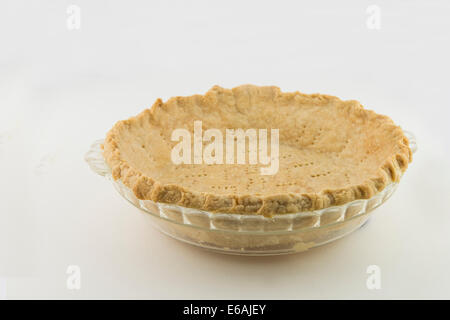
148	188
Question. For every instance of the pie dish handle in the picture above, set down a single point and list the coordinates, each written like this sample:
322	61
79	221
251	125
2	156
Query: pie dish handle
95	160
412	140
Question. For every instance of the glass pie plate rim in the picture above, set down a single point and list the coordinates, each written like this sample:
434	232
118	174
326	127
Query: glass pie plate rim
335	214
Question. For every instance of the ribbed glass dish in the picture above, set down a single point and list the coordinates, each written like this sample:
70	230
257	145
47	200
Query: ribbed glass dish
249	234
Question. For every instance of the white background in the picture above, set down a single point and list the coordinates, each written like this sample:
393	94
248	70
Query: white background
62	89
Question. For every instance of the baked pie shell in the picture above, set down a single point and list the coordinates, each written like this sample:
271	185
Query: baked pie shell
147	187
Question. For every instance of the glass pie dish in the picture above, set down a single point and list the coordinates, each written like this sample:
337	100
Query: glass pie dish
250	234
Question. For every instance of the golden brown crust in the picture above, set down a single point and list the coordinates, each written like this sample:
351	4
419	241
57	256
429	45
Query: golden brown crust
331	152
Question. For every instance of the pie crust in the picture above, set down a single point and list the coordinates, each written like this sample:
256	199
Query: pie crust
330	152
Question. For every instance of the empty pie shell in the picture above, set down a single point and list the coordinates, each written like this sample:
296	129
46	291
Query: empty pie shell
330	152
